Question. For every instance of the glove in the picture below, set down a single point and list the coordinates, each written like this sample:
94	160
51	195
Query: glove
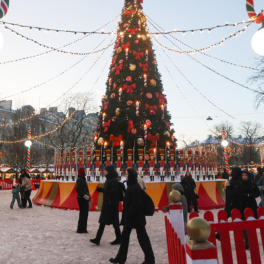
86	197
99	189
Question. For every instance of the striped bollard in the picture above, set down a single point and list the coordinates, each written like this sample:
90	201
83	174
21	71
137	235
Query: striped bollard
28	144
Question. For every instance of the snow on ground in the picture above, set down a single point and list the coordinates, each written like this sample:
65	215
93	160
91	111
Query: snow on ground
48	236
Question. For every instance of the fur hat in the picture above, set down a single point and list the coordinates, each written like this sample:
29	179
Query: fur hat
81	172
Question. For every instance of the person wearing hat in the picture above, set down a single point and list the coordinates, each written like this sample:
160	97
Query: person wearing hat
83	201
109	213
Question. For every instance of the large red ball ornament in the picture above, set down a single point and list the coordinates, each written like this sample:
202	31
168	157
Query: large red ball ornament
121	61
136	41
146	157
148	122
129	79
134	131
113	95
129	102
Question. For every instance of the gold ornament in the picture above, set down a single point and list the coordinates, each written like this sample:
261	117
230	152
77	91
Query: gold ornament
117	111
153	83
143	19
198	229
175	196
119	50
167	134
140	142
143	37
100	141
132	67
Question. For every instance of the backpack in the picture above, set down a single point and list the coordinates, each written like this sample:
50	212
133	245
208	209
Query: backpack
121	191
148	205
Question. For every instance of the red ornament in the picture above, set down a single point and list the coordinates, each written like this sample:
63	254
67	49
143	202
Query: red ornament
129	102
136	41
149	95
114	118
155	61
113	95
134	131
121	61
106	97
148	122
146	157
129	79
125	25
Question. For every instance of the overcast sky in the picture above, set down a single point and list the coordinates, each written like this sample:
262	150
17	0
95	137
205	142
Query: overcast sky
88	15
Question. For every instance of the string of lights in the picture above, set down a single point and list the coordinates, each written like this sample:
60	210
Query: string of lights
225	77
58	75
214	131
199	90
41	29
58	50
39	136
43	144
208	47
43	53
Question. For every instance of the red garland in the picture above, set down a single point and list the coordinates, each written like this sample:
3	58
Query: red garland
130	126
161	97
129	88
152	109
107	125
144	66
106	105
118	68
167	125
116	140
129	13
125	46
132	31
138	55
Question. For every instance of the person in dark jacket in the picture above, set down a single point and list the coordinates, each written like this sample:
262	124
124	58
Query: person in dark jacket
110	208
83	201
225	175
134	218
259	175
188	185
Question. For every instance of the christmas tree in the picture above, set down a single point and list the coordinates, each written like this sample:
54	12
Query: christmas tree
134	108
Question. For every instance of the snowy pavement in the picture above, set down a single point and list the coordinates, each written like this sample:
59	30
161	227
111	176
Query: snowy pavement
48	236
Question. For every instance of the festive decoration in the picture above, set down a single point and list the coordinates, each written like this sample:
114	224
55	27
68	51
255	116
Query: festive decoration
138	55
153	83
130	88
119	50
145	80
28	144
100	141
127	50
225	152
117	111
167	134
120	94
114	118
130	126
252	13
134	131
161	97
132	67
113	95
129	79
4	5
146	157
162	109
143	37
144	66
140	142
149	95
145	132
137	108
116	140
148	122
152	109
129	102
154	139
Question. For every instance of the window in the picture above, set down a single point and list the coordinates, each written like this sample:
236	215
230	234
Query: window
1	156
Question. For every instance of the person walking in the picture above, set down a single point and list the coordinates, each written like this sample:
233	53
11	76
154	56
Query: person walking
26	184
15	193
188	185
83	201
134	218
110	208
259	175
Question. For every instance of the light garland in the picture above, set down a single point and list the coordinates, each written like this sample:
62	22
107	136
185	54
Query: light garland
34	56
214	131
206	48
41	84
40	29
39	136
58	50
201	92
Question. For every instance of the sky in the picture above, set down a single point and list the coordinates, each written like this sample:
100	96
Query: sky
88	15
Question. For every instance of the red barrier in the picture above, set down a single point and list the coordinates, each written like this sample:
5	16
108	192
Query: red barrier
6	184
176	251
223	227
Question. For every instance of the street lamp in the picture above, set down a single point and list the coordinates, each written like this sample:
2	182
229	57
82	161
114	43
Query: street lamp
224	143
257	41
28	143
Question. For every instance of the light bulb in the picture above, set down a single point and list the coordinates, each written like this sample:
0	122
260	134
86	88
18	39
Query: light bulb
257	41
224	143
1	41
28	143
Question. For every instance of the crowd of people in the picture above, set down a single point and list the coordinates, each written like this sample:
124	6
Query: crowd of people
21	192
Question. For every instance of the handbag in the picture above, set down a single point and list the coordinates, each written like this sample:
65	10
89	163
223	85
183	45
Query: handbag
196	195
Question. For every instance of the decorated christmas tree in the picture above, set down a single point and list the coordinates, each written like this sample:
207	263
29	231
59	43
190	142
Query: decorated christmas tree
134	116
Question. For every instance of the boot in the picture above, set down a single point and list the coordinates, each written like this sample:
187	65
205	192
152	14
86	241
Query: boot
95	241
116	242
112	260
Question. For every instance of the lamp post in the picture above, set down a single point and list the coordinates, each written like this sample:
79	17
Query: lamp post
28	144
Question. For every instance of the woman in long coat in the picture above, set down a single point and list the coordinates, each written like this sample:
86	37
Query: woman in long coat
134	218
83	201
110	208
188	185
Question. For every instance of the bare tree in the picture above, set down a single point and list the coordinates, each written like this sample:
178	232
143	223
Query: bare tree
258	78
229	129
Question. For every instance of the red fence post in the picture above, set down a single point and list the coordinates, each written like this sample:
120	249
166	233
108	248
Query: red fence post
261	217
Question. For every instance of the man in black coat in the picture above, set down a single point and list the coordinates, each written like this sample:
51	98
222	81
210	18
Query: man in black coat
83	201
134	218
110	213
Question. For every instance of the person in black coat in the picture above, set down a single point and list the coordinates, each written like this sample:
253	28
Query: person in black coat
188	185
225	175
83	201
110	208
134	218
